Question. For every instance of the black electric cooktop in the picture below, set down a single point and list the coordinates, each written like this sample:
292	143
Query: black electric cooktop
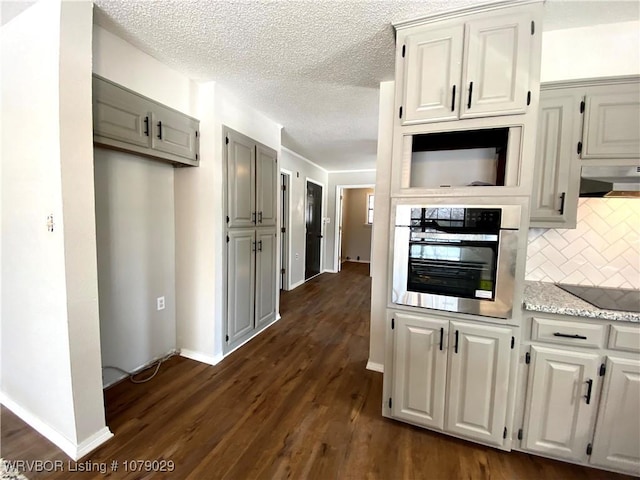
606	298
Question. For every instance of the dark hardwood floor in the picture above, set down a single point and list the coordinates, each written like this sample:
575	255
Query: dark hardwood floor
295	402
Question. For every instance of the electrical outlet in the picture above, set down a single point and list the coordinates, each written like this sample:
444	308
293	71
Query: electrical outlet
160	303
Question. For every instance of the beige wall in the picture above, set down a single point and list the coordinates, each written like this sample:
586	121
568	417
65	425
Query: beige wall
356	234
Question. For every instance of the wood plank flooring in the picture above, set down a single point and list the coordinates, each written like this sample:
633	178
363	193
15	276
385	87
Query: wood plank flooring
295	402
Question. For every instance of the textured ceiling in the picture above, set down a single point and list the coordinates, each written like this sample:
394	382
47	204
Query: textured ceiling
312	66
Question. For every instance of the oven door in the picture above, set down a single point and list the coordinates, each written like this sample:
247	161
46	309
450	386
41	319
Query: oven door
467	274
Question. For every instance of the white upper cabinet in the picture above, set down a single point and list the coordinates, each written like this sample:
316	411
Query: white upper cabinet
612	124
433	70
556	172
496	74
468	69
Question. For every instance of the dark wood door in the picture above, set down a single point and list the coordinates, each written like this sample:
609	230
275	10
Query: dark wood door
314	230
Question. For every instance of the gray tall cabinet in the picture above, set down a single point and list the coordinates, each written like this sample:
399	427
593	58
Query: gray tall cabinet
252	174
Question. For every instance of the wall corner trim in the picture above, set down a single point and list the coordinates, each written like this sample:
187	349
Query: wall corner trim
201	357
375	367
73	450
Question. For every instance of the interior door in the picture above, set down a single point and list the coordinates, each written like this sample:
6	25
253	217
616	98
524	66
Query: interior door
339	223
314	230
284	226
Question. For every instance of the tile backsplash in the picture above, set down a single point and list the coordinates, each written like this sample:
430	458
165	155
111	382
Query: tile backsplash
603	250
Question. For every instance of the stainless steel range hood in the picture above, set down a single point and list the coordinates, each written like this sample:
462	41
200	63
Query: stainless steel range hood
610	181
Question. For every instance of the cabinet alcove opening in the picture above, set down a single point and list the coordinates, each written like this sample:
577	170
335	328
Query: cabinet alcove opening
459	159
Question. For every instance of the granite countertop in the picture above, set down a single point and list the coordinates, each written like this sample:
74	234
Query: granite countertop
549	298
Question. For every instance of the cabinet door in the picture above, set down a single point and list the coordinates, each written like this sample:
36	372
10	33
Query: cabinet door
175	133
240	284
496	65
265	276
617	439
419	370
432	75
612	125
120	115
558	419
241	178
478	381
556	183
266	182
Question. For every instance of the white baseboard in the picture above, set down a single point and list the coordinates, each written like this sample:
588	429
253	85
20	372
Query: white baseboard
375	367
93	442
201	357
296	285
357	261
73	450
329	270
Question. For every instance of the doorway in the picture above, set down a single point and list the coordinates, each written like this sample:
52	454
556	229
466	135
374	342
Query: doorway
313	221
354	224
285	189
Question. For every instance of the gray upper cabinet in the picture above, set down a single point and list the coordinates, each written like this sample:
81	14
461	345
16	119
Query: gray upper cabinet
612	122
266	178
124	120
241	177
252	173
557	172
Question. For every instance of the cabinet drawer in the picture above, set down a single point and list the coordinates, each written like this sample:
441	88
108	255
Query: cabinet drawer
589	335
625	337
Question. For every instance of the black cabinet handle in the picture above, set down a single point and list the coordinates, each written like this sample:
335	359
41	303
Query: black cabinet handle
453	98
441	337
253	217
146	126
566	335
455	348
160	130
260	246
255	246
259	217
470	91
562	199
589	388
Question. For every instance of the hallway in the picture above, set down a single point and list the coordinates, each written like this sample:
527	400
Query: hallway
295	402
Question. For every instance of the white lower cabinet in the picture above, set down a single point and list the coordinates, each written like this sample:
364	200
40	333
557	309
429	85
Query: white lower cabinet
582	396
476	359
616	442
420	370
562	404
479	382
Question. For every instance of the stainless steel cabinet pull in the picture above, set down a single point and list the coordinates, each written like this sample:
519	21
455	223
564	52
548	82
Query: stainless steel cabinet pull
589	388
566	335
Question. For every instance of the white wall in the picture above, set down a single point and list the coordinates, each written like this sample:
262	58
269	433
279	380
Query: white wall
597	51
302	169
348	179
51	349
135	229
356	233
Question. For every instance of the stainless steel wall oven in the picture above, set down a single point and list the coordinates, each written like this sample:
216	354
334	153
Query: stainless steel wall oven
458	258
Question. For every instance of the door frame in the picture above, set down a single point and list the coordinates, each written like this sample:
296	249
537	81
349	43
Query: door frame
322	225
284	220
336	234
